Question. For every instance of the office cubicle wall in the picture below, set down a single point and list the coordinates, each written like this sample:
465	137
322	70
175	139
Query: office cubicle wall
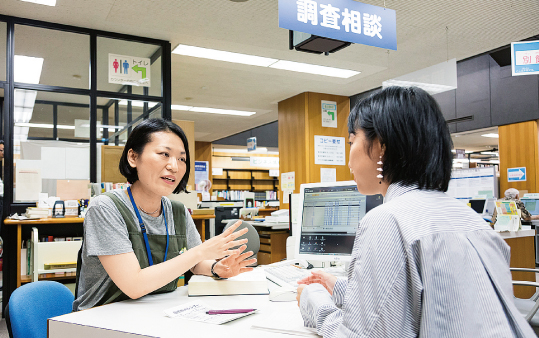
466	184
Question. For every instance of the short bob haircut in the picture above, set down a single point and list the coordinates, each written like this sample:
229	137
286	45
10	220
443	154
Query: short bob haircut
409	124
140	136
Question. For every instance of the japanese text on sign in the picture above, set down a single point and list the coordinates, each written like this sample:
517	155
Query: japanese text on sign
130	70
350	20
329	150
345	20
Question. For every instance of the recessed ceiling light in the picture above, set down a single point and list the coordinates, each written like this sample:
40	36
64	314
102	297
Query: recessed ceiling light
42	125
491	135
262	62
313	69
27	69
137	103
212	110
221	55
180	107
222	111
42	2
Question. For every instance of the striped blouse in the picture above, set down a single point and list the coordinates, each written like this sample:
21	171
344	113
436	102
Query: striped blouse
423	265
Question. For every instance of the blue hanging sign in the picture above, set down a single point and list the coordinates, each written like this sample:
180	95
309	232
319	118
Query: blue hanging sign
525	58
344	20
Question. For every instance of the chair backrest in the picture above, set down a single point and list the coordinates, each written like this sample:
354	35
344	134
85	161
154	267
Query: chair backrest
32	304
252	235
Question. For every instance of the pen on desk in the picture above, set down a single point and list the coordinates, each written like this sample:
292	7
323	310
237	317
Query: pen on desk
231	311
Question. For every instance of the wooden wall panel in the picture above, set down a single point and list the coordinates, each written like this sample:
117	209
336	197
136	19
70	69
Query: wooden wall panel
519	147
299	121
110	158
293	155
315	128
189	130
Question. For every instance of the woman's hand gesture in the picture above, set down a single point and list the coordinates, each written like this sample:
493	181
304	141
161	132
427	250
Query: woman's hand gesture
235	264
219	246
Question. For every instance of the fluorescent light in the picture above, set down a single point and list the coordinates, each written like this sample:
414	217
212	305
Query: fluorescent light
43	125
489	153
222	111
253	60
24	104
220	55
212	110
27	69
430	88
313	69
495	161
180	107
491	135
42	2
137	103
241	150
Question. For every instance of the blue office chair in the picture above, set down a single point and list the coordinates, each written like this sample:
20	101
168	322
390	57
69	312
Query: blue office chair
32	304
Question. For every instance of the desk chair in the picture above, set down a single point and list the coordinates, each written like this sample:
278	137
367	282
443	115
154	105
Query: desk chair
253	243
528	307
32	304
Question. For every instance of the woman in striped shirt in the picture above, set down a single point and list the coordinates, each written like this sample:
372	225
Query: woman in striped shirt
423	264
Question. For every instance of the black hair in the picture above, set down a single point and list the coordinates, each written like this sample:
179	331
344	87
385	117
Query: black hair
140	136
1	141
409	124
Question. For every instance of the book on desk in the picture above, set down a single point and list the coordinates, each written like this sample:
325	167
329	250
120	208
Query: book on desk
247	283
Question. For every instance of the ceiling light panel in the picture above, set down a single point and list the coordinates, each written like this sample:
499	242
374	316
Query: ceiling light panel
314	69
222	111
42	2
492	135
220	55
27	69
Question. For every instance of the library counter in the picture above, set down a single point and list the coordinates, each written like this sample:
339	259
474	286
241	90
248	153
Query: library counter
122	319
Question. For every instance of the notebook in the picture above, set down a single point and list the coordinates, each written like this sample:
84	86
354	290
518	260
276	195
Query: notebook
248	283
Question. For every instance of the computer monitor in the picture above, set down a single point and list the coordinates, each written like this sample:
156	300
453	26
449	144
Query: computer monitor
532	205
329	217
478	205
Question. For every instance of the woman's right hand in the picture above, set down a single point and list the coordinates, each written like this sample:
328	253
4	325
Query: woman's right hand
320	277
218	247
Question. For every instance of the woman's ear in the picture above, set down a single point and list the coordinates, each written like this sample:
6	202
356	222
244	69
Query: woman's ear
132	158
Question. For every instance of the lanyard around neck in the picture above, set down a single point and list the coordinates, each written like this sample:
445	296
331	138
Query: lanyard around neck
143	227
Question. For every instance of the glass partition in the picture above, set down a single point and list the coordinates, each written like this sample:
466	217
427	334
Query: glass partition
3	35
51	57
51	142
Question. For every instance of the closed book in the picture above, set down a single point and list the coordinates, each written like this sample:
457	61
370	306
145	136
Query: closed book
247	283
60	265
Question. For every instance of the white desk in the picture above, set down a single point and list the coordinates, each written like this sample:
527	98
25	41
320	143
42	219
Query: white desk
272	225
144	318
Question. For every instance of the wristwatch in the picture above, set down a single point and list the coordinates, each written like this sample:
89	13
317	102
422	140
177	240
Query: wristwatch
213	272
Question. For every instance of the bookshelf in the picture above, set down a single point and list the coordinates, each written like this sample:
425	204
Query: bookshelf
256	180
58	227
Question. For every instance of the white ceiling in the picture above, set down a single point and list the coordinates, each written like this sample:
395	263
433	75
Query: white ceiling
428	32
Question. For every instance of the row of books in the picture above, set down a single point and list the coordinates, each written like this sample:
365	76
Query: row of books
27	260
97	189
237	195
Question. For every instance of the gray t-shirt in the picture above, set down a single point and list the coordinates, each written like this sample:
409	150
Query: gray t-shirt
105	233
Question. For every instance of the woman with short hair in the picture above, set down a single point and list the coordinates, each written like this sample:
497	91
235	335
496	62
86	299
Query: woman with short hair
137	241
423	263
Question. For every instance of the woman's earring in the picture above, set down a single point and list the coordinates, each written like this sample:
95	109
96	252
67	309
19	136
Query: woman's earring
380	170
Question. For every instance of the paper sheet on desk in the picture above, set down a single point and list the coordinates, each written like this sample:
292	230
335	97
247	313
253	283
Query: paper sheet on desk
284	322
197	311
